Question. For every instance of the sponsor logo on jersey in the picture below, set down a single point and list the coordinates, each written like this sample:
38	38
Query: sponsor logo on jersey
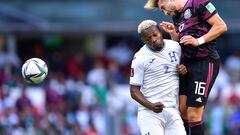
152	60
187	14
132	72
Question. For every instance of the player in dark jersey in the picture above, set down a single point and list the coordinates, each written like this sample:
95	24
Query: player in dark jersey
196	25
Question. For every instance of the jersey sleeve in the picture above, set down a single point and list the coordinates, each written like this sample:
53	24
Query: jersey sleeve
137	71
205	9
179	50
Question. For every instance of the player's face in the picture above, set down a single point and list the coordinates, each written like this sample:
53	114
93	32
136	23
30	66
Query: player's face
153	37
168	7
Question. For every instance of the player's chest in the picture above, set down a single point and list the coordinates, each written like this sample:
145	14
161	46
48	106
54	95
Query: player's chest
185	20
162	63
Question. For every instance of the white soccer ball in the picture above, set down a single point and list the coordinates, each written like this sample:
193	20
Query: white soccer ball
34	70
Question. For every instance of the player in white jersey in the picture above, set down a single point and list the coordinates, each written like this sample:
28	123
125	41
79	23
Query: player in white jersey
154	82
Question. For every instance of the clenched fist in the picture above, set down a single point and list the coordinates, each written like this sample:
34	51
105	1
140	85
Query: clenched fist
181	69
157	107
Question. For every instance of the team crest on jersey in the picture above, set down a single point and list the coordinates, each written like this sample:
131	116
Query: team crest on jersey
187	14
132	72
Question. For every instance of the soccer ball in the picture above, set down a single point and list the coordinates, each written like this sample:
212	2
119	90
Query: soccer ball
34	70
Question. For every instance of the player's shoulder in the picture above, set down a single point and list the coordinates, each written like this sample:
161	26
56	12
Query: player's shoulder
197	3
171	43
142	53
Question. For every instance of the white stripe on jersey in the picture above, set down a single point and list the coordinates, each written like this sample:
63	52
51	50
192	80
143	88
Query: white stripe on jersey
157	74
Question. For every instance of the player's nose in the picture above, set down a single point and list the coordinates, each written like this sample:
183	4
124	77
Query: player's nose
154	40
165	12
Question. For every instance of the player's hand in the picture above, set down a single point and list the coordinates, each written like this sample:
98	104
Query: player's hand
157	107
168	27
189	40
181	69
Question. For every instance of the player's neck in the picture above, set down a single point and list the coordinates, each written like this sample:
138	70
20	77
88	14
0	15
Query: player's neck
155	49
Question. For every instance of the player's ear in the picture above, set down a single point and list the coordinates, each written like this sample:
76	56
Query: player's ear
141	37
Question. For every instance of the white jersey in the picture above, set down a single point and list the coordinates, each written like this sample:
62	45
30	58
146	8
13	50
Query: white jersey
157	74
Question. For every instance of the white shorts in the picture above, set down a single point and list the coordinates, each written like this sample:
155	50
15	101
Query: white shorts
168	122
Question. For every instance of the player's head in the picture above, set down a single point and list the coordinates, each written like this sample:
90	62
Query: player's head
168	7
151	34
151	4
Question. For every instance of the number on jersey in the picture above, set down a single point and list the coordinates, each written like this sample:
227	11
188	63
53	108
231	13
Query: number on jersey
200	88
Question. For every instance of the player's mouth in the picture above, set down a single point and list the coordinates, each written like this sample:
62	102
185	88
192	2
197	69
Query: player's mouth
157	43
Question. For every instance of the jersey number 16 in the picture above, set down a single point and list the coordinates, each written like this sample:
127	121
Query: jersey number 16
200	87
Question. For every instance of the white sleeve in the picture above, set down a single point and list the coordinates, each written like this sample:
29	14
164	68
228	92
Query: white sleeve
179	50
137	72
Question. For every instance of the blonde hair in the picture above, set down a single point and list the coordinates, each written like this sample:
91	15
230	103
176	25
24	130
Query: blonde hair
151	4
145	24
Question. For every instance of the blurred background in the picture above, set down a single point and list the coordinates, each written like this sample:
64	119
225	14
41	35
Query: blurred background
88	46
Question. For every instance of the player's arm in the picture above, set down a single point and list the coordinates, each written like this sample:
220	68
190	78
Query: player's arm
137	95
169	28
209	14
218	28
174	36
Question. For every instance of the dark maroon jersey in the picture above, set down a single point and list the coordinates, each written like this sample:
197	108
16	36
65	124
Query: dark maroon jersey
192	20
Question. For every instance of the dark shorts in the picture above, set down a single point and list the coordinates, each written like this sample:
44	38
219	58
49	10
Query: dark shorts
197	83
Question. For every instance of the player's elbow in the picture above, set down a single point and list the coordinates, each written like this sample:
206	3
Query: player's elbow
223	27
132	93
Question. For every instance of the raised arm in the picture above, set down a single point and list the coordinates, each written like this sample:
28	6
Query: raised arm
218	27
137	95
169	28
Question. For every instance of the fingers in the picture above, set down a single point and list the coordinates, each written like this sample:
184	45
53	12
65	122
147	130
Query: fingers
158	107
185	39
181	69
189	40
180	66
158	110
166	25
